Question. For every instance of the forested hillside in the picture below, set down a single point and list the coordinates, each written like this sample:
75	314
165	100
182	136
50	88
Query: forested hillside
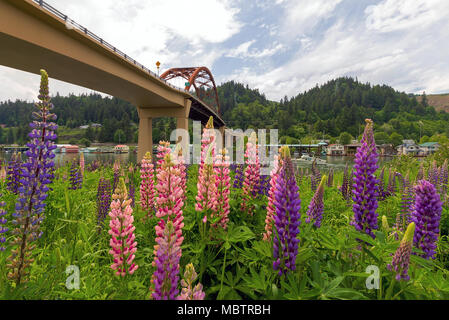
332	110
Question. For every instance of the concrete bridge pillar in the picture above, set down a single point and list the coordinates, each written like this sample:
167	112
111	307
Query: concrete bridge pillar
146	115
145	142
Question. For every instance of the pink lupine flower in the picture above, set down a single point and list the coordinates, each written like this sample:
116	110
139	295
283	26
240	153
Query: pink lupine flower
206	180
2	174
123	244
169	198
182	173
271	208
252	174
189	292
82	163
147	184
222	186
162	149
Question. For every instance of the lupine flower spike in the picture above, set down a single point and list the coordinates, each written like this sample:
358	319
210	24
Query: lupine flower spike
103	200
14	170
426	216
222	187
189	292
206	178
365	183
401	258
82	163
403	217
252	174
147	185
36	175
168	252
271	207
123	244
316	206
287	218
3	229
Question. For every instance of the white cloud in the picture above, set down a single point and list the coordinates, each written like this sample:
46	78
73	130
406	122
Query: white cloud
302	16
393	15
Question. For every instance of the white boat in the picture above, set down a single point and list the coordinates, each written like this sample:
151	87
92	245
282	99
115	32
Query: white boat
309	159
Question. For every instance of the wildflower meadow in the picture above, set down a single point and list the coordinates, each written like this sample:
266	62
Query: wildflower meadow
167	229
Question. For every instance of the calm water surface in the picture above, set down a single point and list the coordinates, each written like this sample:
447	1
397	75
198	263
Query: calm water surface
338	163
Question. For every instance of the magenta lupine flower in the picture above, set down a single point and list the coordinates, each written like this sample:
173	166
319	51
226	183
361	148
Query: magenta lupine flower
316	206
252	174
271	207
287	217
123	244
147	184
13	173
365	183
168	252
36	175
207	193
222	187
189	292
426	216
401	258
103	199
3	221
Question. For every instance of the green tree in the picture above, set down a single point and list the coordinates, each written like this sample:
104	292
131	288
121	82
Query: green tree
381	137
85	142
119	136
345	138
396	139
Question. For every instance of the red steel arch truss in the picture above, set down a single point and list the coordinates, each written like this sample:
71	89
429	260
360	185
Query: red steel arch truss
201	79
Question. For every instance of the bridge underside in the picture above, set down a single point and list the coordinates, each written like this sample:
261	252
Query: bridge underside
32	39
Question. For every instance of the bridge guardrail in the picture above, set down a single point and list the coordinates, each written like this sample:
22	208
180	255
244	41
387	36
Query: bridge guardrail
93	36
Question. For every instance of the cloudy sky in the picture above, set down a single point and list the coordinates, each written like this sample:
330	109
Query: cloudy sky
281	47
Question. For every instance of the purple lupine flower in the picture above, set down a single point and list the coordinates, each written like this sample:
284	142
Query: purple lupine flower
391	188
103	199
76	178
426	215
382	194
3	229
132	191
365	183
401	258
420	174
36	175
432	174
165	277
330	178
94	165
345	190
287	217
239	177
443	179
316	206
263	186
315	176
13	173
403	217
